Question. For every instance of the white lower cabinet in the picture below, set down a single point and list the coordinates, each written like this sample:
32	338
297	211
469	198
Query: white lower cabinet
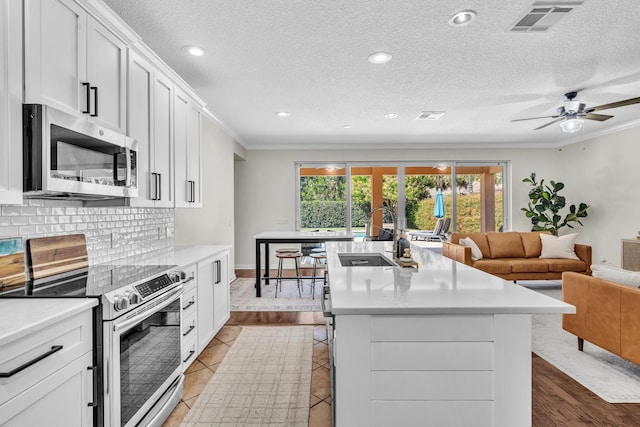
213	296
56	386
189	316
452	370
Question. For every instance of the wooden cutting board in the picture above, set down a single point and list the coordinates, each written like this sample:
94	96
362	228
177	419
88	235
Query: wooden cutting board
12	272
57	254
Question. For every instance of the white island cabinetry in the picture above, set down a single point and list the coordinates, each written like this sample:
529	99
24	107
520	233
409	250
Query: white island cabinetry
46	357
446	342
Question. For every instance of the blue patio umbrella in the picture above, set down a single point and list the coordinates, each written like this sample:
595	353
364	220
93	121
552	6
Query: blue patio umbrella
438	208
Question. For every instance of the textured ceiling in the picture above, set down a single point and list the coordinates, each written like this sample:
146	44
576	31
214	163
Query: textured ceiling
309	57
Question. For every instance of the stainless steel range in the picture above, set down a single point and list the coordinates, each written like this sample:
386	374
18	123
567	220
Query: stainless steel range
137	340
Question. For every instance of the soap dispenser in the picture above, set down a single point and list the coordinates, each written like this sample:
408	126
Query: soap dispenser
403	244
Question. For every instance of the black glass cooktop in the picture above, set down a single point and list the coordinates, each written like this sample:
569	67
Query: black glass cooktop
93	281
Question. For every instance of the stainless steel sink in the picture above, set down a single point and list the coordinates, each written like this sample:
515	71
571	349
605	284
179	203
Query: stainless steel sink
365	260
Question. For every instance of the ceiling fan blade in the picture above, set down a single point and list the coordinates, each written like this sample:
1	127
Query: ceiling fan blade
534	118
598	117
551	122
614	105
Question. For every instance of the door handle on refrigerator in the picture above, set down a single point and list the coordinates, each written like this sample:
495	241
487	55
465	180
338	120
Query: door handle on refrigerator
159	186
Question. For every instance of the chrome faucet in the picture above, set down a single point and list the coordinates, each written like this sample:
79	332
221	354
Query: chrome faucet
394	216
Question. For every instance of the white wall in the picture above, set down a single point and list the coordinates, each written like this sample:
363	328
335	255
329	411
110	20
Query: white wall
265	184
214	222
604	173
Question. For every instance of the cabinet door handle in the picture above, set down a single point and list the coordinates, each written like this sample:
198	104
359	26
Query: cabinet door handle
189	305
95	101
159	186
191	353
94	372
87	108
31	362
155	186
191	328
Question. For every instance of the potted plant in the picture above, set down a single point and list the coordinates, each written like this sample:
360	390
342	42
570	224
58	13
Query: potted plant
545	205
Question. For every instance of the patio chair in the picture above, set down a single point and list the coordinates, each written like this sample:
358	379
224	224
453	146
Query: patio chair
426	234
443	234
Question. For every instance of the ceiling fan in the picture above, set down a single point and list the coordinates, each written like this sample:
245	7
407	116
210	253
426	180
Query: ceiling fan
571	114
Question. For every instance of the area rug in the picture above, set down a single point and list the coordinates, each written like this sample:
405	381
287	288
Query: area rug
264	380
243	296
612	378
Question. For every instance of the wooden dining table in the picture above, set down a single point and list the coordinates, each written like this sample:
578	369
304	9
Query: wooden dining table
294	237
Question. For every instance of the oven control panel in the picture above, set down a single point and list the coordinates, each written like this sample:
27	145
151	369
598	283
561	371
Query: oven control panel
152	286
126	299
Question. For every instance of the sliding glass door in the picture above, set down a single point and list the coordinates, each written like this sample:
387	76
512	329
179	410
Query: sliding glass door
371	198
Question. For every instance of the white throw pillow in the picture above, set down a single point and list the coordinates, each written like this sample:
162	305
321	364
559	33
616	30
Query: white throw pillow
558	247
476	253
617	275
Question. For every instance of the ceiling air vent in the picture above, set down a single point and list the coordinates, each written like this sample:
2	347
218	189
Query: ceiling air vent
430	115
543	15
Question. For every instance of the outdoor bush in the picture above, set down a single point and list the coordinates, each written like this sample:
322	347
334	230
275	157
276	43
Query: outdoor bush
468	218
331	214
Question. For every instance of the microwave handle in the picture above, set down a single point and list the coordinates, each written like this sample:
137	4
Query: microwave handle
128	182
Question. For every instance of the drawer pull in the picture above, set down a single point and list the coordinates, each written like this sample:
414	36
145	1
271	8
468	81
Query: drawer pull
191	353
54	349
189	305
94	371
191	328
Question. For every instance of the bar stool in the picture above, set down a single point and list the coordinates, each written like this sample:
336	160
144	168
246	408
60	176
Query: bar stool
296	259
318	258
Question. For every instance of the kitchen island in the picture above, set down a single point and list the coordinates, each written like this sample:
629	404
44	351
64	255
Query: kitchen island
442	345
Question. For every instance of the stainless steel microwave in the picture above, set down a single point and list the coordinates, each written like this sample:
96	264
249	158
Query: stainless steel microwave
69	157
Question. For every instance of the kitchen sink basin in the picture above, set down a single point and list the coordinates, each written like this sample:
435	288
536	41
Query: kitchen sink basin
365	260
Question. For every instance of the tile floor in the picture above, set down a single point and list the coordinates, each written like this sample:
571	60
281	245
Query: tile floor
201	370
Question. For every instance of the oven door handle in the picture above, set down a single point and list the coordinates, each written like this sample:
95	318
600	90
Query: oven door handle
168	299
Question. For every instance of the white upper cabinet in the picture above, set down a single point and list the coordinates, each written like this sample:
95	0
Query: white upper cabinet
187	151
74	63
150	110
162	147
11	102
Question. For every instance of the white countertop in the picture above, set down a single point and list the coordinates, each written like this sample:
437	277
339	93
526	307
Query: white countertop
22	317
178	255
440	285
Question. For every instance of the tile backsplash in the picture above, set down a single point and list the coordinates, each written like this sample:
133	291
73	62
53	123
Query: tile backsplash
112	232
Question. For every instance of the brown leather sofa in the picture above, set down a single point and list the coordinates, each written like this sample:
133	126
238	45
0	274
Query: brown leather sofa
515	256
606	315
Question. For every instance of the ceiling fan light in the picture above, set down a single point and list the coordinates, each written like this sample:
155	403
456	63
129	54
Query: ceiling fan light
571	125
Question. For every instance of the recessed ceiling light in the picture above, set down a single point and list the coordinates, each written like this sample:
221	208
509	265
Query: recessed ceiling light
347	126
462	18
379	57
391	115
194	50
283	114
